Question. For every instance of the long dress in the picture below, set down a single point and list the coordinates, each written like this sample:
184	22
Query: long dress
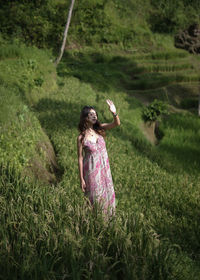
97	175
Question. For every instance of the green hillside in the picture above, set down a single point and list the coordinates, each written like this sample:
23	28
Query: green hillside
47	229
130	24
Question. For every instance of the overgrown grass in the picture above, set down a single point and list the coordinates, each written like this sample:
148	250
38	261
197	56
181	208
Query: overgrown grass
25	74
50	232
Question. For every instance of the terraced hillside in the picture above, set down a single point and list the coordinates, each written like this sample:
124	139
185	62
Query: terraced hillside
173	77
47	230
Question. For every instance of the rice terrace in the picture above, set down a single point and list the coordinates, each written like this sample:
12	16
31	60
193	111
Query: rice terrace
124	51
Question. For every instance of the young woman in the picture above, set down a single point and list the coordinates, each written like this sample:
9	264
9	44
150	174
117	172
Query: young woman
94	170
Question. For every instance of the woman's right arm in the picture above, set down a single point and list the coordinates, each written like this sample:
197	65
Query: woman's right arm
80	162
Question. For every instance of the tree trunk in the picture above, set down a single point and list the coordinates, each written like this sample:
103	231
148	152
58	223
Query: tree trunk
65	33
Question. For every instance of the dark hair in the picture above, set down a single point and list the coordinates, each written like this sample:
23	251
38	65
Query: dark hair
82	124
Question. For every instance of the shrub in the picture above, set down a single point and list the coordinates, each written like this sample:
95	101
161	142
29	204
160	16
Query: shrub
153	111
169	16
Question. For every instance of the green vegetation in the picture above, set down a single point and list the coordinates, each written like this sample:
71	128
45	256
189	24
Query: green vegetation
169	16
154	110
48	231
25	74
129	24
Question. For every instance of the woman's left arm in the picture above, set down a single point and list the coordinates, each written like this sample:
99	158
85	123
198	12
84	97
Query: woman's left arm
116	120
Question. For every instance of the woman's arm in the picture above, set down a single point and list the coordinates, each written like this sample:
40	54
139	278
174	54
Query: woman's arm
80	162
116	120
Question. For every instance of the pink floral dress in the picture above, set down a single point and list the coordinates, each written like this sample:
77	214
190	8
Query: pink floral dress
97	175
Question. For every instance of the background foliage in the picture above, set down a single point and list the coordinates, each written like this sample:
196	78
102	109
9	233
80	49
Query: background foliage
169	16
47	229
155	110
125	23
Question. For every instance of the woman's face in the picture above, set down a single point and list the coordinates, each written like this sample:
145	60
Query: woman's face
92	117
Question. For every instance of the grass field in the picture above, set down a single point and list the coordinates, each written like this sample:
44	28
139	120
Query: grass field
47	230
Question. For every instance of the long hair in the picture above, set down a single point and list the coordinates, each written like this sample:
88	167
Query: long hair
83	126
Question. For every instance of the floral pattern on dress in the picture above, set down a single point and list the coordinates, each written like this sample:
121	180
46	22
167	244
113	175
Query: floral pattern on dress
97	175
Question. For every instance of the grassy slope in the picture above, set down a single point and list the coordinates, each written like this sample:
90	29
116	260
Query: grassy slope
25	74
155	233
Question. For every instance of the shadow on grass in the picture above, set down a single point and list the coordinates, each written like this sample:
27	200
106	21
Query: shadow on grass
56	115
184	231
184	96
182	145
182	154
103	72
107	72
184	122
179	149
182	159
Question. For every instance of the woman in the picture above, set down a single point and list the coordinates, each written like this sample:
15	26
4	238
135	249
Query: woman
94	170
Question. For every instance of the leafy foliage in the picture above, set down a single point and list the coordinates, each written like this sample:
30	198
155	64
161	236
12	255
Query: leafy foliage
153	111
95	21
169	16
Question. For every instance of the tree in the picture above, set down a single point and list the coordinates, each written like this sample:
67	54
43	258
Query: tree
65	33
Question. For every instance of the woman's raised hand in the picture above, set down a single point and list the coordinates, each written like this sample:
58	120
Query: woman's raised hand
111	105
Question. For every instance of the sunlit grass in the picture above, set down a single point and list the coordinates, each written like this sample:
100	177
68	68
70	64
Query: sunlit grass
49	231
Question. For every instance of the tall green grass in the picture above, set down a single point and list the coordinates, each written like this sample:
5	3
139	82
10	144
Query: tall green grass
26	73
49	231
